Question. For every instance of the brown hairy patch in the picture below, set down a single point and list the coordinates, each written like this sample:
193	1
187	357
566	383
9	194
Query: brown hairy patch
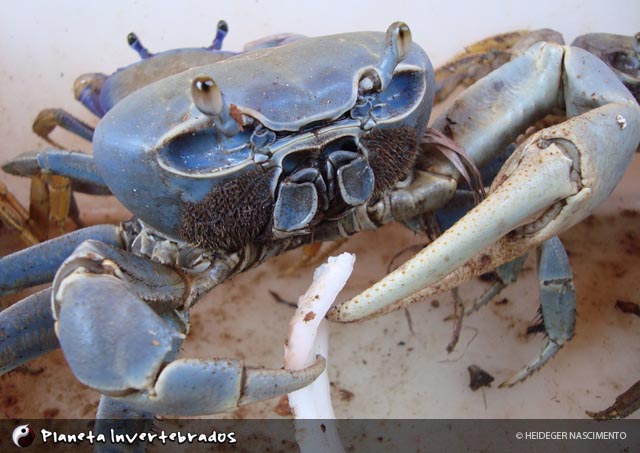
392	152
231	215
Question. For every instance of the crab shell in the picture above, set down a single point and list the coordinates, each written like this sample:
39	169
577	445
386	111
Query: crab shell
162	157
126	80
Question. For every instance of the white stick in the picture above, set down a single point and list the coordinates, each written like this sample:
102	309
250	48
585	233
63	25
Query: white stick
309	336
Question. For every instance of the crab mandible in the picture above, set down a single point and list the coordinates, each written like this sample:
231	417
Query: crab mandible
229	164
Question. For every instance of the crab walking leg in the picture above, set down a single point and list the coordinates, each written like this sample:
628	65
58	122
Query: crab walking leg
48	119
54	173
557	305
26	331
482	57
16	218
79	167
505	275
552	181
38	264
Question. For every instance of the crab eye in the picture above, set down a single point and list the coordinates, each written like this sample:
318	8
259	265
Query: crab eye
135	44
397	44
369	81
223	27
207	96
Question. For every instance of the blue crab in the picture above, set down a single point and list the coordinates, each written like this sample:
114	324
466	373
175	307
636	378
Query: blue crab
228	164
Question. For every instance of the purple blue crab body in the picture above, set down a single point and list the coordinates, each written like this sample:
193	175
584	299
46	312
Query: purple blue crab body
167	161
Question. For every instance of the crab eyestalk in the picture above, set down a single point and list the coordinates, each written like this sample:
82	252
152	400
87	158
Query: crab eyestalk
87	88
397	45
135	43
221	32
208	98
627	65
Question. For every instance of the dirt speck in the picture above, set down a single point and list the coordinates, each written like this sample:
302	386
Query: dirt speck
628	307
10	401
51	412
346	395
478	378
282	408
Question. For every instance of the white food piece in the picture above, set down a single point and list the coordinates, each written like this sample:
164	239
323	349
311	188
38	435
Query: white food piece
308	337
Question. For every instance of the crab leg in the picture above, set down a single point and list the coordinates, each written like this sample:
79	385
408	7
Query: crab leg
54	174
48	119
26	331
38	264
552	181
79	167
16	217
504	275
482	57
557	305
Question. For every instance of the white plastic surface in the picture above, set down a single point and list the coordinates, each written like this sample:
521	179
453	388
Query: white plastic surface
396	366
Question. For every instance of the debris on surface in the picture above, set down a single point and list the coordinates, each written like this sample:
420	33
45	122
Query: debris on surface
624	405
628	307
478	378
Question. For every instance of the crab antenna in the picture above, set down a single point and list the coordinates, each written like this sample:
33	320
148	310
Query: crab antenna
208	98
221	31
135	44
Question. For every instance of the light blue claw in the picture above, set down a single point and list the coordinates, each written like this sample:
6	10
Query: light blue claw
190	387
27	327
26	331
100	306
130	313
100	318
553	180
557	304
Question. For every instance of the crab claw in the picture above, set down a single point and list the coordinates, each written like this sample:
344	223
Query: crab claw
201	387
126	311
553	180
